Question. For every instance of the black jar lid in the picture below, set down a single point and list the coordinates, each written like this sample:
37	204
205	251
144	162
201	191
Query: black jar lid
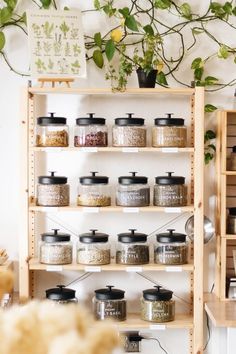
51	120
169	121
133	179
60	293
232	211
93	179
90	120
109	293
129	120
55	236
170	237
132	237
157	294
234	148
52	179
165	180
93	237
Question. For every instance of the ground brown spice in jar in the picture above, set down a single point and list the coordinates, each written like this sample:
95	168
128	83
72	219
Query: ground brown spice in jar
157	311
93	256
170	254
129	136
93	201
133	254
53	139
169	136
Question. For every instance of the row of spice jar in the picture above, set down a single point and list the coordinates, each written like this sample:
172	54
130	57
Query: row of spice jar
93	248
127	132
95	191
110	303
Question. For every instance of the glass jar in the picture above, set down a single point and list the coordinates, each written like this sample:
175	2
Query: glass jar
53	191
61	295
52	132
90	131
171	248
109	303
132	248
169	132
133	191
129	132
233	159
94	191
170	191
231	221
93	248
157	305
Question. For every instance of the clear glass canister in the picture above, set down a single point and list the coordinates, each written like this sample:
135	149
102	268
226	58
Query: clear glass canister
53	191
93	248
61	295
52	132
170	191
169	132
231	221
171	248
129	132
133	191
94	191
90	132
132	248
109	303
157	305
233	159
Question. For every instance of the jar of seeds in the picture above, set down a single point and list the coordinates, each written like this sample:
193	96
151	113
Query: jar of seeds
94	191
55	248
61	295
53	191
233	159
109	303
169	132
132	248
133	191
93	248
52	132
90	131
157	305
171	248
129	132
170	191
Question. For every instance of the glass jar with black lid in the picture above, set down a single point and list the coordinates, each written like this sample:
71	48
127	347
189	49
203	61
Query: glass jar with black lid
53	191
109	303
94	191
129	132
61	295
132	248
90	132
133	191
52	132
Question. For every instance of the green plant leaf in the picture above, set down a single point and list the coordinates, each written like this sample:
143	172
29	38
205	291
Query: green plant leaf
162	4
96	4
2	40
161	79
223	52
46	3
210	108
109	10
98	58
197	63
131	23
5	15
124	12
234	60
110	49
66	8
197	31
228	8
198	74
11	3
148	29
212	146
98	39
209	135
211	80
234	11
208	157
186	11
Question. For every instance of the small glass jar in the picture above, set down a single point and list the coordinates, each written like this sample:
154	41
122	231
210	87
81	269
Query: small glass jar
94	191
170	191
52	132
53	191
132	248
129	132
61	295
90	132
93	248
133	191
171	248
233	159
109	303
231	221
169	132
157	305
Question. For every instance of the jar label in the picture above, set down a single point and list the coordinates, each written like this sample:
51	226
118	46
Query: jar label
90	210
54	268
130	149
170	150
130	210
172	210
134	269
88	149
157	327
92	269
174	269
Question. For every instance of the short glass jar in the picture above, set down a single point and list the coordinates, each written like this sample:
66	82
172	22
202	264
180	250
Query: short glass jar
231	221
171	248
52	132
133	191
94	191
53	191
157	305
93	248
61	295
233	159
90	131
170	191
55	248
109	303
129	132
169	132
132	248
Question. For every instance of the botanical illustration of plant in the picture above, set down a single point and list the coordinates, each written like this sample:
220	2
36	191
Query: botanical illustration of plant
75	67
67	49
63	66
74	32
50	64
76	50
40	66
36	30
57	44
48	29
47	47
38	48
65	29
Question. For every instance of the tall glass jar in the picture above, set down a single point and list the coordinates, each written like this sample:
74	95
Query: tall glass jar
233	159
91	132
94	191
61	295
52	132
231	221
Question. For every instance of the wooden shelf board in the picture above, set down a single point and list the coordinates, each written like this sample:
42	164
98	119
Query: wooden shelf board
229	237
229	173
7	265
113	149
222	313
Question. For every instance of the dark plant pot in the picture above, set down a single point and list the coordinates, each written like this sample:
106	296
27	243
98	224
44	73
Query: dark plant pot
146	80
